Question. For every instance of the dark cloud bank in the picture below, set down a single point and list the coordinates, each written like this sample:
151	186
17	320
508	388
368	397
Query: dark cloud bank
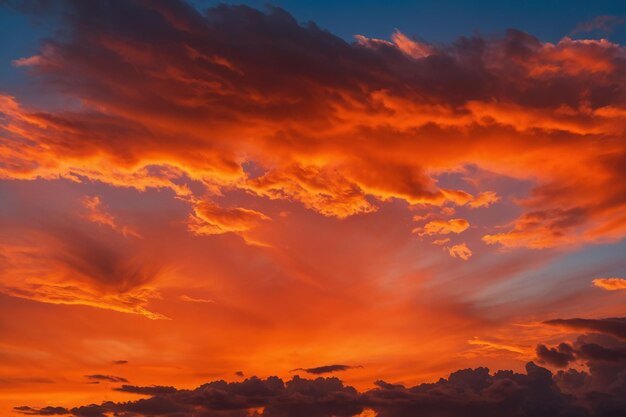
598	392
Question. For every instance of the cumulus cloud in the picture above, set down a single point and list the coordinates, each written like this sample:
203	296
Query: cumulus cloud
234	87
559	356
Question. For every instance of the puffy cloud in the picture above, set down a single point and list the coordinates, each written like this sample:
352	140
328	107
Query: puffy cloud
559	356
610	284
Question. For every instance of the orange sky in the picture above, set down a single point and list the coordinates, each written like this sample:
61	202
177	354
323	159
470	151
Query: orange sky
242	193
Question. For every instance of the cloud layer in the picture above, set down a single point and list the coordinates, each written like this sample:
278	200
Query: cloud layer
468	392
237	99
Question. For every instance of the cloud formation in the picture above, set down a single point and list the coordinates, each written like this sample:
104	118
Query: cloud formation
615	326
97	214
598	392
610	284
460	251
106	378
239	100
326	369
443	227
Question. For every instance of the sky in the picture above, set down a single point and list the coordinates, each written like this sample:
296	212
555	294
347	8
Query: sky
312	208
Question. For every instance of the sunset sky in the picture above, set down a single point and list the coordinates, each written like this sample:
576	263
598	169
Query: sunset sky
358	191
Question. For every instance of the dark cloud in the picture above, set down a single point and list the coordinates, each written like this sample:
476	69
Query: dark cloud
560	356
598	392
45	411
470	392
615	326
107	378
120	362
465	393
326	369
151	390
593	351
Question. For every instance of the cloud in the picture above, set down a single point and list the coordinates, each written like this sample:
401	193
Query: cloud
57	263
610	284
484	199
195	300
460	251
442	227
603	23
120	362
106	378
338	136
45	411
98	215
468	392
615	326
325	369
441	242
211	219
151	390
559	356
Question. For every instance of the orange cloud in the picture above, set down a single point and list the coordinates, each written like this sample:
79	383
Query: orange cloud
342	146
610	284
442	227
484	199
79	272
460	251
195	300
97	215
211	219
